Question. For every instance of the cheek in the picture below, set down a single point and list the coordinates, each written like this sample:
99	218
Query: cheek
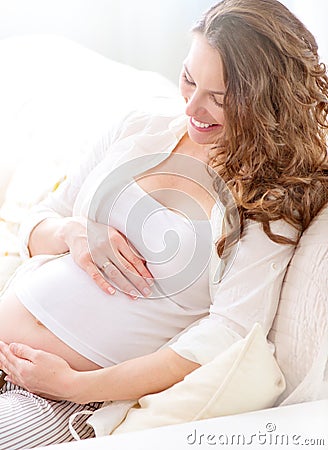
218	115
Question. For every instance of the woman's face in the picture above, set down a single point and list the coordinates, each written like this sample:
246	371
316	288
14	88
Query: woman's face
202	86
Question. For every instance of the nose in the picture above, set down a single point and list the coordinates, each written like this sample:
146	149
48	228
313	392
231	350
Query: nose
195	104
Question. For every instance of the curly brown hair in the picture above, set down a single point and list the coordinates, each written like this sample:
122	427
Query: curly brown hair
273	156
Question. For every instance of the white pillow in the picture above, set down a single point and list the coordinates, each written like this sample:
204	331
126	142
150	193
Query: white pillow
244	378
300	326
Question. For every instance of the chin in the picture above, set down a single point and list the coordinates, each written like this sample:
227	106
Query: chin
203	138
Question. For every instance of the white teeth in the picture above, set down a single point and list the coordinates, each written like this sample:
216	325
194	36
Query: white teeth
200	124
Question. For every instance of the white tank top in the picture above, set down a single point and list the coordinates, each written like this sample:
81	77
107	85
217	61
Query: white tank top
111	329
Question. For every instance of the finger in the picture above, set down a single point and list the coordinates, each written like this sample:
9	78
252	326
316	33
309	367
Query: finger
92	270
123	284
119	245
86	262
23	351
131	254
134	277
116	274
134	268
126	260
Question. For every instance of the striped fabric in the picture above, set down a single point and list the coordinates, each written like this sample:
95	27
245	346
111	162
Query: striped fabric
29	421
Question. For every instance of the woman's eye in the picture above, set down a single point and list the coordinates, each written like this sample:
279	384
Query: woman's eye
216	102
187	80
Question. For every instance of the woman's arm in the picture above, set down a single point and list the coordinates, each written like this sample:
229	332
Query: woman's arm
50	376
134	378
45	240
248	293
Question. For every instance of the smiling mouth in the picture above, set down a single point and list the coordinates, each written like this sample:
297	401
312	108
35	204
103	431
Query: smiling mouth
203	126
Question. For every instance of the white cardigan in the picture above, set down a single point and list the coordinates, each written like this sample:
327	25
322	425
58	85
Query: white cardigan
249	290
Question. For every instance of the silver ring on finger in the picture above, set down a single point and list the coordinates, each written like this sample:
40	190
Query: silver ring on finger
105	265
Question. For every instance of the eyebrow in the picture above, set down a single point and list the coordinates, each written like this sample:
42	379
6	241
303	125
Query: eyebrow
212	92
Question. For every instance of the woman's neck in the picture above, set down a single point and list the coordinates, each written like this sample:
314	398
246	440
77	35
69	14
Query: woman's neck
188	147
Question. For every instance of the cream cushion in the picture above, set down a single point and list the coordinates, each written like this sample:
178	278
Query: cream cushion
300	328
244	378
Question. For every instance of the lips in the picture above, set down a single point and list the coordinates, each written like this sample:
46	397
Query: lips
202	126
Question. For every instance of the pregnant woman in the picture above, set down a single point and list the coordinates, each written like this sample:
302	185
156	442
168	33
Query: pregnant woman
149	207
59	308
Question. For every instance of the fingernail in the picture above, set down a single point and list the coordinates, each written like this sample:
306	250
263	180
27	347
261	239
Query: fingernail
133	294
111	290
146	292
150	281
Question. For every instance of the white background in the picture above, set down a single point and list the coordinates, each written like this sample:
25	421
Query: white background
149	34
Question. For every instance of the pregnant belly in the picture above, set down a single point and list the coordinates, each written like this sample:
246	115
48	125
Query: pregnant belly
17	324
80	319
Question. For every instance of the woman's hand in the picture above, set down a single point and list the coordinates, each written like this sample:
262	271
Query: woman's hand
102	250
50	376
39	372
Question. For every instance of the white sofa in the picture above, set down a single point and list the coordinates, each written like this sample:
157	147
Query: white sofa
276	428
57	99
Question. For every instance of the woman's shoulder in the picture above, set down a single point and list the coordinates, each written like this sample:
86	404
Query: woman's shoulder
278	227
